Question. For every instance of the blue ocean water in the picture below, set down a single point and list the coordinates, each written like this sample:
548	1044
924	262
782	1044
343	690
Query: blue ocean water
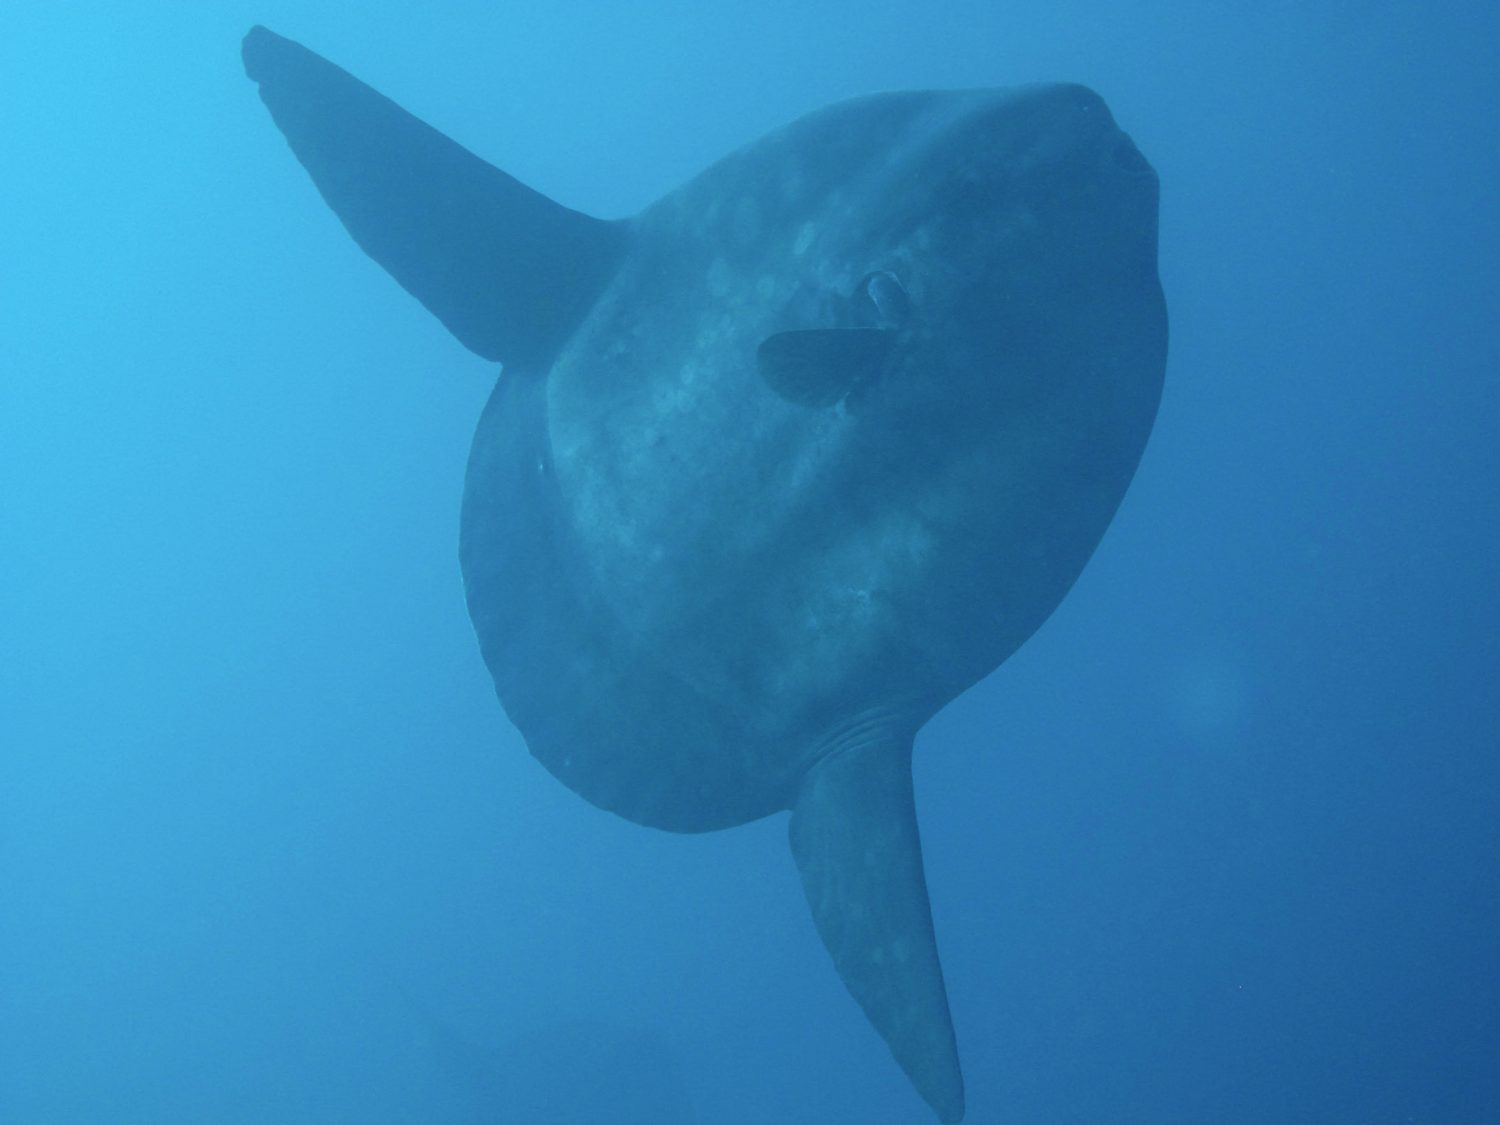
1219	844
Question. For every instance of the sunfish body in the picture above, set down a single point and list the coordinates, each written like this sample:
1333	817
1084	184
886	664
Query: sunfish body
783	464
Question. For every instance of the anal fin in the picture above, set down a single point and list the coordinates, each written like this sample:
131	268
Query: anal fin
854	838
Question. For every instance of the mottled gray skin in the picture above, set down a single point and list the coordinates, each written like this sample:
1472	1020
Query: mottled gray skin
778	468
713	582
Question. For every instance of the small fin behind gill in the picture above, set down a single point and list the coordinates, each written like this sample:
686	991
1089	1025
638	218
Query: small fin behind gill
507	270
854	837
818	366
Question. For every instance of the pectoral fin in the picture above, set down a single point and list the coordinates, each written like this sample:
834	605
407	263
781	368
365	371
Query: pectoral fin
818	366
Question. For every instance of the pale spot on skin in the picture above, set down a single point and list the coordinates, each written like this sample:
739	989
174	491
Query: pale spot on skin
720	278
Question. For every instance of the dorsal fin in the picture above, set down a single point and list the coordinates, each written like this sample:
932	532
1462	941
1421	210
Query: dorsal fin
507	270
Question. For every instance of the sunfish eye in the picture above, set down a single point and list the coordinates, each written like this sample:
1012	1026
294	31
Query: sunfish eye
892	307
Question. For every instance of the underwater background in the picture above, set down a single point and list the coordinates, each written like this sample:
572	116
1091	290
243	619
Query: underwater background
1218	844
